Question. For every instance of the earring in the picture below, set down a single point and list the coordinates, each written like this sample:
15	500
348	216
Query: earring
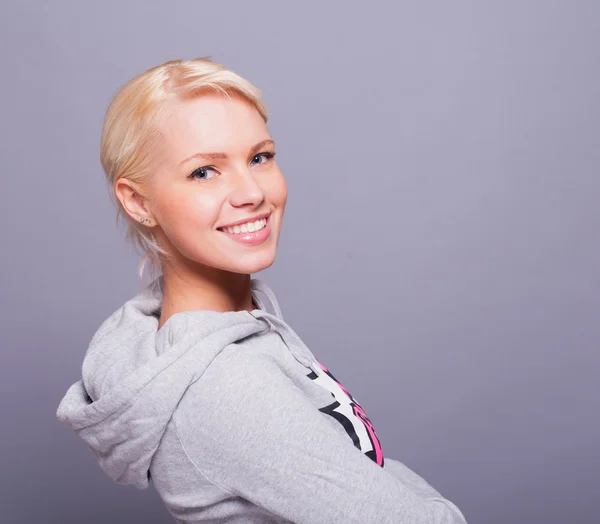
142	220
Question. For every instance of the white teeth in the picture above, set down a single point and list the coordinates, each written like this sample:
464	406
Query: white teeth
247	227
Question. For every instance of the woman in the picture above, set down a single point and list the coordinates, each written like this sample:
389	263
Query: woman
197	382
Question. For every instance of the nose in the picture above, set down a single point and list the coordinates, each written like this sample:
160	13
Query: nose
245	188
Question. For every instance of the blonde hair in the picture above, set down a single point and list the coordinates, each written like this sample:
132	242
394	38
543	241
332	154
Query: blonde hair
130	135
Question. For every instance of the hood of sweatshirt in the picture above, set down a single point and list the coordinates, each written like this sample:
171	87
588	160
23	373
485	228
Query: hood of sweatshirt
134	375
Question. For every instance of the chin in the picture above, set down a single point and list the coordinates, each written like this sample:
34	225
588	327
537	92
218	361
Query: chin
247	263
255	263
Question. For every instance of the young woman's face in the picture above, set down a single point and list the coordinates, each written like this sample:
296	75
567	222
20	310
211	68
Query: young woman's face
217	168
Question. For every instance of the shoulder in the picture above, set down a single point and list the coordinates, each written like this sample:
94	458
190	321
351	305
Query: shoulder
238	383
241	363
241	395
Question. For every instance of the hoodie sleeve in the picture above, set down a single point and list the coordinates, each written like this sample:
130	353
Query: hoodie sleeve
250	430
419	485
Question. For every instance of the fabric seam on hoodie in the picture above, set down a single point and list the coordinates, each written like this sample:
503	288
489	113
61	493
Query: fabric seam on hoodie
196	467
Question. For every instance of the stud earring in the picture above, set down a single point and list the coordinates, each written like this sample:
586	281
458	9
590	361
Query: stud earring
142	220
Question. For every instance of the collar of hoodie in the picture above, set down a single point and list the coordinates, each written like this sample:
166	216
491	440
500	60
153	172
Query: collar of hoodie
289	337
177	326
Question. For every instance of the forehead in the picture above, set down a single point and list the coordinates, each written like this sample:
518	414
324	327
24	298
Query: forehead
212	122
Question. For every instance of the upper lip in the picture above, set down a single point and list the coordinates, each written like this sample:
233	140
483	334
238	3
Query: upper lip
244	220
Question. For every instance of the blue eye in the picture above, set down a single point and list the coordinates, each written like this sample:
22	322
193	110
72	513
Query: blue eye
266	154
200	171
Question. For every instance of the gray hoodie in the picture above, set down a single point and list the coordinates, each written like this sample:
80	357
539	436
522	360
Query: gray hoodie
235	421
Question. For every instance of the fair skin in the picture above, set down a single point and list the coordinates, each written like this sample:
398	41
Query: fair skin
207	269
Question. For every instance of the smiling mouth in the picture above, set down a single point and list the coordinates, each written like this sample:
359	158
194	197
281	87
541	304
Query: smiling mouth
264	222
251	238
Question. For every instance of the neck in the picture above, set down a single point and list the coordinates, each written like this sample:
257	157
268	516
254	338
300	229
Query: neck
215	290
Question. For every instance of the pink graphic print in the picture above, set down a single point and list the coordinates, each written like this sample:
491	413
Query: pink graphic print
348	412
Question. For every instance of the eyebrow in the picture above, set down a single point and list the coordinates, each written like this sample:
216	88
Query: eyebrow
223	156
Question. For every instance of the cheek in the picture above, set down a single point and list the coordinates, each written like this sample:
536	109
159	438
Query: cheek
276	189
188	211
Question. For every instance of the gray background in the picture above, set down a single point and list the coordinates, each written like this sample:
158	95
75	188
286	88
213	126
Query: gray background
439	250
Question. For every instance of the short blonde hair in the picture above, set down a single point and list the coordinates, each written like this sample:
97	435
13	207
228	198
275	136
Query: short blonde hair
129	133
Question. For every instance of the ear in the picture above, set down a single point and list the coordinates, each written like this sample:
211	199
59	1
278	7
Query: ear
134	203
